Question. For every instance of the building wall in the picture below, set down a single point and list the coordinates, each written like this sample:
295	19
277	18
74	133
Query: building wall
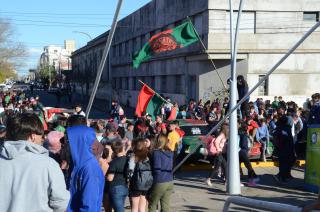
267	30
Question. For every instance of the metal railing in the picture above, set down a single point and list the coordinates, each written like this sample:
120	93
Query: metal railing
260	204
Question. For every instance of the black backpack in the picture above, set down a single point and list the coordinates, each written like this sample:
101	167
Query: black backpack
142	178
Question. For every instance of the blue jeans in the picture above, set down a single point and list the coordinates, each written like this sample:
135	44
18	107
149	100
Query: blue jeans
117	195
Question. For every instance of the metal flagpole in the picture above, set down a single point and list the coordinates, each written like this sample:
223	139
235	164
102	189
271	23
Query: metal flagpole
305	36
205	50
155	92
233	185
104	58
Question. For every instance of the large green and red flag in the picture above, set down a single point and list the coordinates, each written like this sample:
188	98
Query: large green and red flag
149	102
178	37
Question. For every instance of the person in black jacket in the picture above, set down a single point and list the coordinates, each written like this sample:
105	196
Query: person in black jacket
244	153
283	141
243	89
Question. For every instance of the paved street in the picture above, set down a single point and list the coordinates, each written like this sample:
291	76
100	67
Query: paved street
99	108
192	194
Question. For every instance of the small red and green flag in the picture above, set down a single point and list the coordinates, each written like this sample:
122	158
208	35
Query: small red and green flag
169	40
149	102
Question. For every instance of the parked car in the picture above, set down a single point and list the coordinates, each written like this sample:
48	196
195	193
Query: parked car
195	133
20	86
3	87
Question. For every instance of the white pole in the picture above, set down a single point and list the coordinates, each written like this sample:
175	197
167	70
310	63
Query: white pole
104	58
233	185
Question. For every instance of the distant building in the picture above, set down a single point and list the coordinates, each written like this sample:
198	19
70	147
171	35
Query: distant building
58	57
267	30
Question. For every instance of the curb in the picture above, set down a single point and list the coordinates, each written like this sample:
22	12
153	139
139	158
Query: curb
196	167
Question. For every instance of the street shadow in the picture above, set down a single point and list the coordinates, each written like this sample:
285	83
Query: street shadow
269	183
210	190
193	208
291	200
242	209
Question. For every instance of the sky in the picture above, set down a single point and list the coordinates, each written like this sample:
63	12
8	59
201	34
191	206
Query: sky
40	23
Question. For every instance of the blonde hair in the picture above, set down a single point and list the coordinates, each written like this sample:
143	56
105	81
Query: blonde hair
162	142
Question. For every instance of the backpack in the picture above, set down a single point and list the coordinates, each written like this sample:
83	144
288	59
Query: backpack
142	178
211	147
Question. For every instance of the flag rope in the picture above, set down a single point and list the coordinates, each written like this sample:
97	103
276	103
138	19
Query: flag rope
205	50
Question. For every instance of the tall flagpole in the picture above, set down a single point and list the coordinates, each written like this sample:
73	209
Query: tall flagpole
104	58
233	185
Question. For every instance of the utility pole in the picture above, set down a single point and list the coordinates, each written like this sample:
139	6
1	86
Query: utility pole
104	57
233	186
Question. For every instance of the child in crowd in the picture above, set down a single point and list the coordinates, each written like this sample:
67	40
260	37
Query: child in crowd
162	175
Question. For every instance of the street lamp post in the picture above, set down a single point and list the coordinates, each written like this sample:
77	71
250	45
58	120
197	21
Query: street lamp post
84	33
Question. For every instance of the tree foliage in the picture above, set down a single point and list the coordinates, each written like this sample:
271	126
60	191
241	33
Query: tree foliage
48	73
12	52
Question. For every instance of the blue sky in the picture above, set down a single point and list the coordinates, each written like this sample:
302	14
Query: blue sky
40	23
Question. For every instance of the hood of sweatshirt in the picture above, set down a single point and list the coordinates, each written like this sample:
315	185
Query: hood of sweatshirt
14	149
81	139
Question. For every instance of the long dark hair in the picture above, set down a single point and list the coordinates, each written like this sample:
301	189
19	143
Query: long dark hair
140	150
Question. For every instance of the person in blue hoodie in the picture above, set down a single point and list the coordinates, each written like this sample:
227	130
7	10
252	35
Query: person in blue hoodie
162	165
87	178
263	137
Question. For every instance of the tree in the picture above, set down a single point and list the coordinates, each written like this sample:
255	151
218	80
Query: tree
48	73
11	52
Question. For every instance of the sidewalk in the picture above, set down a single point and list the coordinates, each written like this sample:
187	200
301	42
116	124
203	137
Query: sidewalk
192	194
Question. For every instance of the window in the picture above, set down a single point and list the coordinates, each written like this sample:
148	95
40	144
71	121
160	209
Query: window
114	51
178	79
120	49
126	48
163	87
134	83
134	49
263	88
311	16
125	86
118	83
153	83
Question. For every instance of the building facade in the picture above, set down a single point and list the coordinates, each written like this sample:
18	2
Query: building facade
267	30
58	57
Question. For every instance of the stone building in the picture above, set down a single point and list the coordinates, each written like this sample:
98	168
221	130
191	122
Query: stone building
57	56
268	29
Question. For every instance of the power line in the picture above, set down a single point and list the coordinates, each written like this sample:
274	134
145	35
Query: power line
67	14
56	22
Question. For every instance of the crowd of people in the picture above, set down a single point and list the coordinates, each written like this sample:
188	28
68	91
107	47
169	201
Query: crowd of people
94	163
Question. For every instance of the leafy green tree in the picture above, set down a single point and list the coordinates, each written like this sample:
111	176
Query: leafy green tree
45	76
12	53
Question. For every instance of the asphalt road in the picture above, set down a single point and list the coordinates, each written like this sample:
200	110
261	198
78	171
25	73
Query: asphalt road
99	108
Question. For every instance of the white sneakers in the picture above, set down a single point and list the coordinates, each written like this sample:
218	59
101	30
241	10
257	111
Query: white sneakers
208	181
